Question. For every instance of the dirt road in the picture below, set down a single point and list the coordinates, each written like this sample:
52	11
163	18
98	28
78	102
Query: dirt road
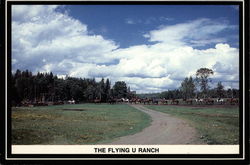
164	129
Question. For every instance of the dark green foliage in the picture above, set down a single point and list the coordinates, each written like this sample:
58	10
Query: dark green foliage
202	78
120	89
220	90
170	94
46	87
188	87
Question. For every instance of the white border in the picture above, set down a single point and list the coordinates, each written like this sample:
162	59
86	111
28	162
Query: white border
90	149
215	146
132	0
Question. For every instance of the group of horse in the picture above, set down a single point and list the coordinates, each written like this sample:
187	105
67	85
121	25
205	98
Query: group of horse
231	101
212	101
155	101
148	101
137	101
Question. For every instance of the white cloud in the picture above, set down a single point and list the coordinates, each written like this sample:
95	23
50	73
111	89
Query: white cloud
198	32
176	64
45	39
39	33
21	13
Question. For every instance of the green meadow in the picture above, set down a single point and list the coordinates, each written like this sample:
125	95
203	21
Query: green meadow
75	124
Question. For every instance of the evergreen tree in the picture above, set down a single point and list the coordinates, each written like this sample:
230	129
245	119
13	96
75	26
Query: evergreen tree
120	89
188	87
220	90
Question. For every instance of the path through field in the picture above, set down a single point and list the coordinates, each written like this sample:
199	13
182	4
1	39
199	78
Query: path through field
164	129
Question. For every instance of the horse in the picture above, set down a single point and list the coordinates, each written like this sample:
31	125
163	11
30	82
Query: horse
175	102
220	100
118	100
139	100
233	101
155	101
209	101
39	103
164	101
199	101
147	101
72	101
97	101
25	103
58	103
133	100
111	101
188	101
125	100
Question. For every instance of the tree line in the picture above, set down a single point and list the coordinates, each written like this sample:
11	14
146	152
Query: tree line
43	87
197	87
184	92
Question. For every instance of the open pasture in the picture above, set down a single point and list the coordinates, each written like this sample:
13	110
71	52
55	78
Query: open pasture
75	123
216	124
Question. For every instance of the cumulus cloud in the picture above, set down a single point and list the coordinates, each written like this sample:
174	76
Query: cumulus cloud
158	62
46	39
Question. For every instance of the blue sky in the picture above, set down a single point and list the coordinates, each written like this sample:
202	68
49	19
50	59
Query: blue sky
150	47
125	24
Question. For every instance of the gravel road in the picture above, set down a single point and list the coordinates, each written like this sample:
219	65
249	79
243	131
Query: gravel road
164	129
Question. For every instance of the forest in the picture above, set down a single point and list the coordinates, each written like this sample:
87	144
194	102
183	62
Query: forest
46	87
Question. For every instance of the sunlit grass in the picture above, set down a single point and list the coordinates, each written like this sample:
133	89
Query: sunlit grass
75	124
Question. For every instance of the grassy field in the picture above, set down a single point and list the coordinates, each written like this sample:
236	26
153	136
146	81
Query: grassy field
75	124
215	125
